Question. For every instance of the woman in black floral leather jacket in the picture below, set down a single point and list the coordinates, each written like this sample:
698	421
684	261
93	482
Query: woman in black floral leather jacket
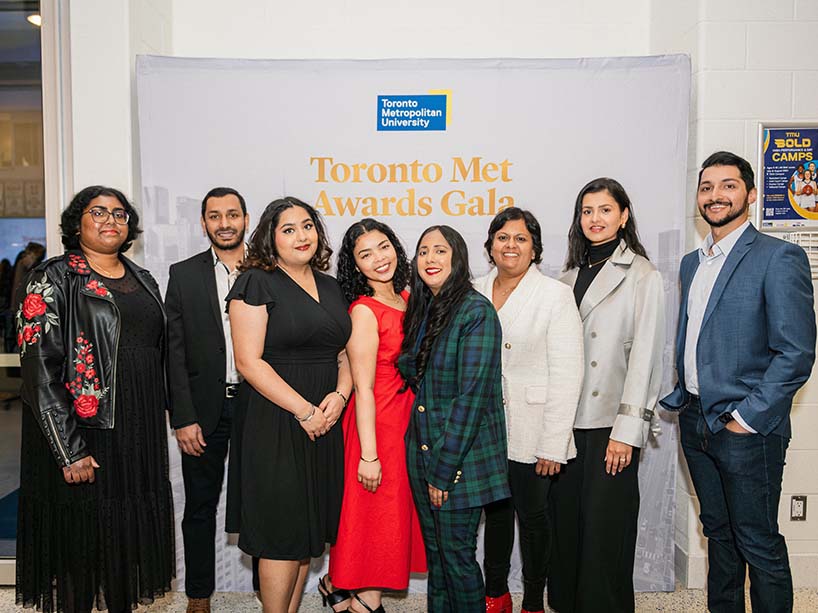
95	519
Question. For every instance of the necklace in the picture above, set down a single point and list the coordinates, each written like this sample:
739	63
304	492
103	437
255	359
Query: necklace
592	264
395	302
101	269
504	292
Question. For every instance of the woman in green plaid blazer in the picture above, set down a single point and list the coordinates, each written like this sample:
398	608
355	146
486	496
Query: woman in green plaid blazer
456	440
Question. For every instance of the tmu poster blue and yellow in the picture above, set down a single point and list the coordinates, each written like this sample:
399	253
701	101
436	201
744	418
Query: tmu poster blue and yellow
789	178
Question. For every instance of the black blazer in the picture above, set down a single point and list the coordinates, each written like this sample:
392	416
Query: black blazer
196	346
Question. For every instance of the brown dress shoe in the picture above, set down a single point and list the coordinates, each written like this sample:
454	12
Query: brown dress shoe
198	605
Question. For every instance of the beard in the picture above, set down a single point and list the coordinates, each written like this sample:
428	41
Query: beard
227	246
732	214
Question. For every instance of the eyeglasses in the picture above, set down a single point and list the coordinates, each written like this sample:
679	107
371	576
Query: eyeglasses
100	215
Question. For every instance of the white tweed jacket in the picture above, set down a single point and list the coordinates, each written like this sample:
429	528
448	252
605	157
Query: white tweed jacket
542	366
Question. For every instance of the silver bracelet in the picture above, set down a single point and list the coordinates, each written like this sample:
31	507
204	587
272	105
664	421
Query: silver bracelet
308	417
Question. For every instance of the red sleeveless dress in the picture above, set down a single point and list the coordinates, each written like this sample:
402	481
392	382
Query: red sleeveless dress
379	540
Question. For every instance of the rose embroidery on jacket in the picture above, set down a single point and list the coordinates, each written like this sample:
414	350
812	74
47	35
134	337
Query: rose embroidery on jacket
33	306
78	264
98	288
33	317
85	387
86	406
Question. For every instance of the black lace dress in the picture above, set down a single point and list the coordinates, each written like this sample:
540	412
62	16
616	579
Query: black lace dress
109	544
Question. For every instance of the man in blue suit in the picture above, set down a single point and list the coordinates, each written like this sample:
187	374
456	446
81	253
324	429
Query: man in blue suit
745	344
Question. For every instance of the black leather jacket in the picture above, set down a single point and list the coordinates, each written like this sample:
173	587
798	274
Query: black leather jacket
68	333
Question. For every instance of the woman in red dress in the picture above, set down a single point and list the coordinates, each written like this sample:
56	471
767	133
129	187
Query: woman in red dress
379	541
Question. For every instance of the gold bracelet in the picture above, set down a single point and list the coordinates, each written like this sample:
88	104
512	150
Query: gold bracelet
342	396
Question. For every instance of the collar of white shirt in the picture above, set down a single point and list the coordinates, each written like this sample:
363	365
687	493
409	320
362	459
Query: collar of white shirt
724	246
216	259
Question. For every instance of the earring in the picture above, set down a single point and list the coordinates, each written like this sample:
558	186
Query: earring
623	224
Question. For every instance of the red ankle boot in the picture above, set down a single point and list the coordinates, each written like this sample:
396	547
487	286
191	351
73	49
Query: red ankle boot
499	604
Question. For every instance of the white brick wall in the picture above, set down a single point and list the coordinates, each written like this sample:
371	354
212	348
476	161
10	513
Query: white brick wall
753	61
423	28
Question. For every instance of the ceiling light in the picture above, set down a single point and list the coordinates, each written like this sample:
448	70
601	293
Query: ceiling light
35	19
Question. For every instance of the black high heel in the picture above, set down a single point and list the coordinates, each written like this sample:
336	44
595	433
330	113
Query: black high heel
380	609
333	598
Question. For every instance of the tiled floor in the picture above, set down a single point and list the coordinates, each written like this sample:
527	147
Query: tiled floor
681	601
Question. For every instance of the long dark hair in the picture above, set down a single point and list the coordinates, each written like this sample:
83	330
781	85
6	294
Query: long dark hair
440	308
578	244
261	249
72	216
352	281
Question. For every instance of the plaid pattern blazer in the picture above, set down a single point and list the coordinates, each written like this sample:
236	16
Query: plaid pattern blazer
458	424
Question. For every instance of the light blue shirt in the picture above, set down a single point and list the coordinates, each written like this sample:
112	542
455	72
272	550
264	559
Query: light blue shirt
712	256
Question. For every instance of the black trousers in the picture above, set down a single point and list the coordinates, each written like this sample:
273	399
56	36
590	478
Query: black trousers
594	519
203	477
529	500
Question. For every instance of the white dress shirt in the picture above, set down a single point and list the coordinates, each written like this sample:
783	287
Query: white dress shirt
712	256
224	281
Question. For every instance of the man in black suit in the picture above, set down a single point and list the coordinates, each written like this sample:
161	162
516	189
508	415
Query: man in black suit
204	380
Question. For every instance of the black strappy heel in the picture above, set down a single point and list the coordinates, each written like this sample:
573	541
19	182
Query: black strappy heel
380	609
333	598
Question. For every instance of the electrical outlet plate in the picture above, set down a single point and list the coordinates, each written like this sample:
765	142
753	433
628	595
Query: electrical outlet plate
798	508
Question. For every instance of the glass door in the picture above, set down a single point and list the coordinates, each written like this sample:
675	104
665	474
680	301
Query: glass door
22	224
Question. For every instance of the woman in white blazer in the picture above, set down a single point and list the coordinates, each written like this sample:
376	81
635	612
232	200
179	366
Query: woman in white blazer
542	377
595	499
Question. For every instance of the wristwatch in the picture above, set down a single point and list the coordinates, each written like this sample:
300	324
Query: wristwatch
726	418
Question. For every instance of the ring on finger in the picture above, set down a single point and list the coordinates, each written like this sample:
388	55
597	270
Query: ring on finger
623	459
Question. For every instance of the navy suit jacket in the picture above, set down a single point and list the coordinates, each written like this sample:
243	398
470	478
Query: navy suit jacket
757	341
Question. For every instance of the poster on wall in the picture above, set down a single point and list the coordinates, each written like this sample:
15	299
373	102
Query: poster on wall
416	143
788	192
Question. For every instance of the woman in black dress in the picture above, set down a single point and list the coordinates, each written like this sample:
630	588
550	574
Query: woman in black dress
290	324
96	529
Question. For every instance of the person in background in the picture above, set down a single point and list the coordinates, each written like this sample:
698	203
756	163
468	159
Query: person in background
595	498
290	325
745	344
379	541
9	337
542	379
456	442
28	258
6	279
95	519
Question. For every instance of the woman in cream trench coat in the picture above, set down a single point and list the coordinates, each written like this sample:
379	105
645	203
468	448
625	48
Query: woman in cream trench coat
542	378
595	499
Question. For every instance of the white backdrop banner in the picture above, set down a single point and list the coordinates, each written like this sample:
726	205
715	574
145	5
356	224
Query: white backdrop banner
416	143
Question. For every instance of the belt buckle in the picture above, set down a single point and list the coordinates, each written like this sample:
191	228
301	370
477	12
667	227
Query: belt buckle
231	390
